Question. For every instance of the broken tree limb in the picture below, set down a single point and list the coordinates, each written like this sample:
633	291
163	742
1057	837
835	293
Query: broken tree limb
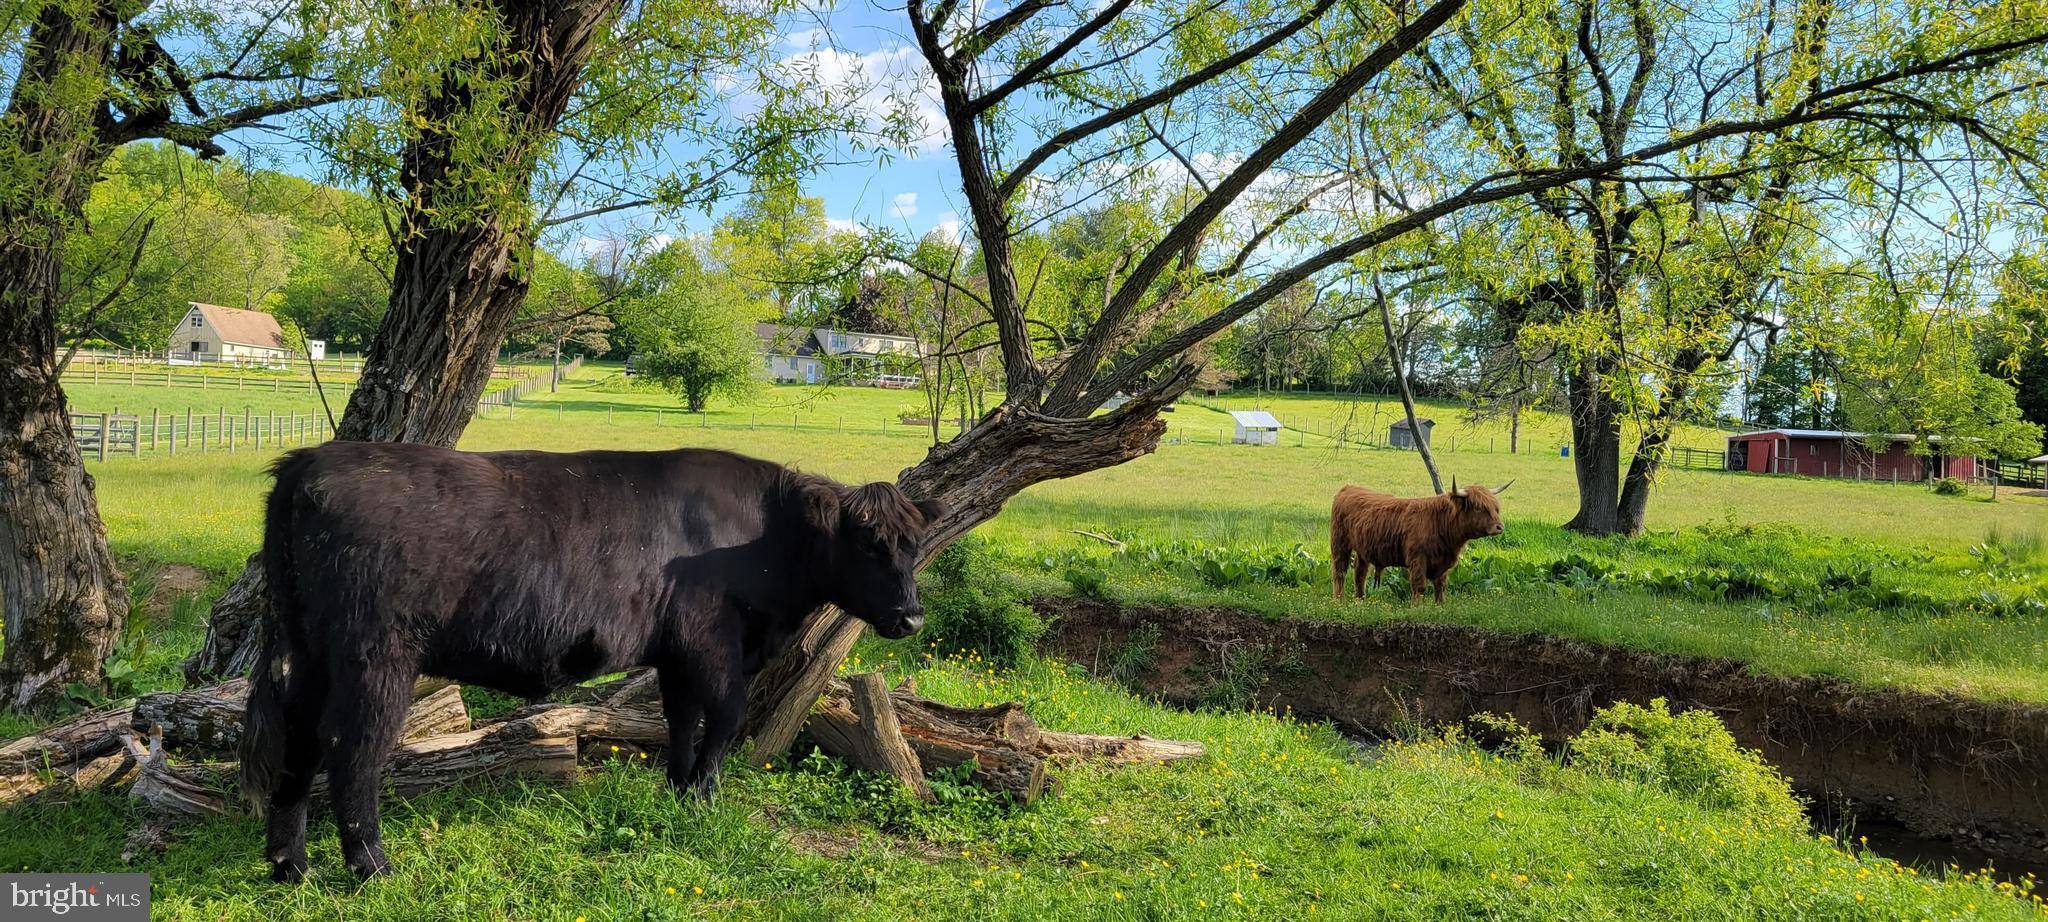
999	764
874	740
66	745
210	719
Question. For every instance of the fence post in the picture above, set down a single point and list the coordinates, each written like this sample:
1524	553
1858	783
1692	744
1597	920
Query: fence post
135	433
131	379
229	431
202	434
188	429
174	436
238	380
152	428
105	431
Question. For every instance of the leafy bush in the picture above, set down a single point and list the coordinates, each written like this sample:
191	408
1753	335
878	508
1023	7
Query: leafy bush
990	621
1691	754
967	560
1949	486
1088	580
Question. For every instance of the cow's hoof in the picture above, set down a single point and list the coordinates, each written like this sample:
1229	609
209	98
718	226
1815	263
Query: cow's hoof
703	790
370	863
288	869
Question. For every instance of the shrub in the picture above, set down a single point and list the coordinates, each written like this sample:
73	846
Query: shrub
1088	580
968	560
1949	486
1691	754
987	620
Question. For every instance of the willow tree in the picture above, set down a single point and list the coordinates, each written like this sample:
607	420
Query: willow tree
1643	281
83	78
498	120
1050	105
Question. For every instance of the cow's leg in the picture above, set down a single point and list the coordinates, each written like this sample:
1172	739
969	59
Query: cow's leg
723	688
366	708
1340	561
1418	577
684	710
305	695
1442	576
1358	581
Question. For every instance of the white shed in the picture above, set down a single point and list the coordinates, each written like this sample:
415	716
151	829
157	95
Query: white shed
1256	427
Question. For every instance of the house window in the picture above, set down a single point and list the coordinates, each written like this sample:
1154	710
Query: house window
1813	449
198	347
195	320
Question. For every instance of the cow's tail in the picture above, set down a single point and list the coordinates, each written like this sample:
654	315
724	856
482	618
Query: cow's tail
263	726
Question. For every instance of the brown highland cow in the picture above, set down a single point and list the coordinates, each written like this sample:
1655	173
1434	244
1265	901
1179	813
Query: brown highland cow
1424	535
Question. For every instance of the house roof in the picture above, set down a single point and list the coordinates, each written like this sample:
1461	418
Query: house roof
860	343
1255	419
1817	434
2040	460
1423	421
786	340
242	327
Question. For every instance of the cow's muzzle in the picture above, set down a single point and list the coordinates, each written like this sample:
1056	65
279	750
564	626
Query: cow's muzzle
901	623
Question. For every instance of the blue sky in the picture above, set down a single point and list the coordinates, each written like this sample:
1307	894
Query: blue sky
909	192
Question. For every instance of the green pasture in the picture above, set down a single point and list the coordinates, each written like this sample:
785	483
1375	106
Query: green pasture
1929	560
1279	819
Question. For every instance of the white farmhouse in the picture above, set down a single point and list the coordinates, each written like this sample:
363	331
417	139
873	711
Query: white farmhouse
810	355
212	333
1256	427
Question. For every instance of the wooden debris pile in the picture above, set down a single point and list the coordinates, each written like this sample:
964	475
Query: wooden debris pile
173	751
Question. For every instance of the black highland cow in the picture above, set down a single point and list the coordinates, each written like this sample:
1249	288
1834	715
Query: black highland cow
524	571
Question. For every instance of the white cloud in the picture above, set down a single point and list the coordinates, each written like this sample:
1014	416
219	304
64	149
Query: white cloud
949	226
845	226
904	205
878	85
807	38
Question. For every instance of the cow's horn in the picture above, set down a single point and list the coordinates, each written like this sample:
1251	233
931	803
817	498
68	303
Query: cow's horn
1454	486
1503	488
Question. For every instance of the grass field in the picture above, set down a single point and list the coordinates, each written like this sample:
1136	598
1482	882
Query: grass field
1282	819
203	510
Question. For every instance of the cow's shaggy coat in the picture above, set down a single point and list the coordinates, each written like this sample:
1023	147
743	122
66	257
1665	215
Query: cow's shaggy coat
524	571
1424	535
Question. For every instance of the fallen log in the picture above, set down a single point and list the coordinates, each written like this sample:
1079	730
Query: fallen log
210	719
1008	748
874	741
66	745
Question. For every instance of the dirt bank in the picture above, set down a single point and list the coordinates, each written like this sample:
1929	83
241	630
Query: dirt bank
1971	772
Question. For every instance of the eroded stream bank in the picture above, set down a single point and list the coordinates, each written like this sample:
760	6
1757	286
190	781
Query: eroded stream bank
1967	776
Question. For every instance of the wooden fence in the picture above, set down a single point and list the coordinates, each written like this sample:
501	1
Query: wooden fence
1698	459
510	396
101	435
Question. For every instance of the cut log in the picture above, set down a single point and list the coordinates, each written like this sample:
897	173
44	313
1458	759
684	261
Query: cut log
874	741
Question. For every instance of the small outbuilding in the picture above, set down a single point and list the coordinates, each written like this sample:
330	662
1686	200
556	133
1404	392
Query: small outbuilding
1835	453
1400	436
1256	427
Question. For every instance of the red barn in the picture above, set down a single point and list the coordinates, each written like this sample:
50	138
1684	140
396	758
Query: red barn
1832	453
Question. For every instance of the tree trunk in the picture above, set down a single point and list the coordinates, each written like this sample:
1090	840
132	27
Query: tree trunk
456	284
1596	448
61	597
974	474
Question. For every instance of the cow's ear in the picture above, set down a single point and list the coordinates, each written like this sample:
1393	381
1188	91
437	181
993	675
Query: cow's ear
821	506
931	509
